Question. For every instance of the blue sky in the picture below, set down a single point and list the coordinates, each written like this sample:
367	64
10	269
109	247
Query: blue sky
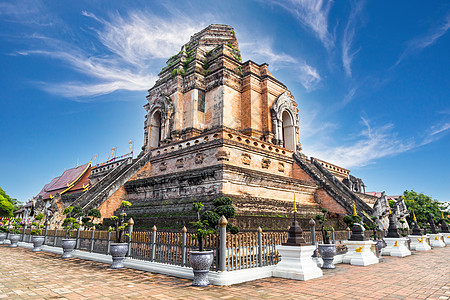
371	79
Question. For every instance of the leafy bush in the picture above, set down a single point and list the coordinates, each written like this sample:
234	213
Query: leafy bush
36	225
225	210
210	216
222	201
120	224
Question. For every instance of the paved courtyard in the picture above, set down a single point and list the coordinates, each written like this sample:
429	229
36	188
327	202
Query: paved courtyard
28	275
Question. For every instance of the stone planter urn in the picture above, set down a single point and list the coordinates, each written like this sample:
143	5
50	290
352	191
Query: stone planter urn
118	252
327	251
201	262
38	240
2	237
68	245
14	238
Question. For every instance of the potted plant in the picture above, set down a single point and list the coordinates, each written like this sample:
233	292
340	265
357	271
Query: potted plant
201	260
14	232
36	232
69	224
118	249
3	230
326	250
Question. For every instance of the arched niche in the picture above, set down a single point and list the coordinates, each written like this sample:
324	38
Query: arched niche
155	129
288	131
285	122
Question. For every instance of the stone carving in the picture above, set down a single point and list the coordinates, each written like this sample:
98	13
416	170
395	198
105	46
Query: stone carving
179	163
265	163
223	154
354	184
163	166
164	105
199	157
246	159
281	167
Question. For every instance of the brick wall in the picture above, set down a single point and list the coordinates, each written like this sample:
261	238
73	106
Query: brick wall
326	201
298	173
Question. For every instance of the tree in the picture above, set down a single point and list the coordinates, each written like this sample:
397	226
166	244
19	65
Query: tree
16	204
423	207
6	207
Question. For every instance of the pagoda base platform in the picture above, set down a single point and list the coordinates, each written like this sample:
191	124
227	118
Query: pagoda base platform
446	236
436	240
419	243
296	263
395	247
359	253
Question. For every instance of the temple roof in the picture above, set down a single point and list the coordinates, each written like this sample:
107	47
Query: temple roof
71	180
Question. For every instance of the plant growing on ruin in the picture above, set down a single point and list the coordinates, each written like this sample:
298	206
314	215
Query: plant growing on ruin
69	223
36	226
120	224
16	225
326	230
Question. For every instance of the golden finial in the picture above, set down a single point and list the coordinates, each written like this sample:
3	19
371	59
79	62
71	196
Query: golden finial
442	214
390	212
354	209
259	230
295	205
223	221
414	215
130	142
131	222
184	230
154	228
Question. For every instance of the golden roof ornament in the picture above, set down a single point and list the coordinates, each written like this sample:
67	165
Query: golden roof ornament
390	212
414	216
354	209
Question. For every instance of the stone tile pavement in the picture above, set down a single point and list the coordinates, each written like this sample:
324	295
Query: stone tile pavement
28	275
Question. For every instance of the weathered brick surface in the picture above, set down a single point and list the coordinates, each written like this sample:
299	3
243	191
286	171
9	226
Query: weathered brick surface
28	275
328	202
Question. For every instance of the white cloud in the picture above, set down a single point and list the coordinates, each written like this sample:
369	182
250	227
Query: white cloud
312	14
349	35
308	76
436	132
372	143
262	51
418	44
132	46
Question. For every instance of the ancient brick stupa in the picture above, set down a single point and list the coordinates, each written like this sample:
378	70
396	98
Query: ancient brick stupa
218	126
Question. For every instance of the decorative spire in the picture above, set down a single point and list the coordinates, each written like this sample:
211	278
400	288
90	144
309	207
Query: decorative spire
442	214
295	205
432	226
354	209
414	216
390	212
393	230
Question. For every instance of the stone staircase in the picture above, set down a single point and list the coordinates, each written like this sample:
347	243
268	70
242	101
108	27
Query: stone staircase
340	192
101	191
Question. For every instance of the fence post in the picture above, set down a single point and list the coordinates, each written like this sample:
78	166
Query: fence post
349	233
23	232
222	243
109	243
333	236
77	244
130	232
91	248
260	262
312	228
45	234
153	243
54	237
183	246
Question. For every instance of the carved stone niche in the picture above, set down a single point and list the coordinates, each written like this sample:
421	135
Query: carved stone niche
246	158
281	167
163	166
179	163
223	154
265	163
199	157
